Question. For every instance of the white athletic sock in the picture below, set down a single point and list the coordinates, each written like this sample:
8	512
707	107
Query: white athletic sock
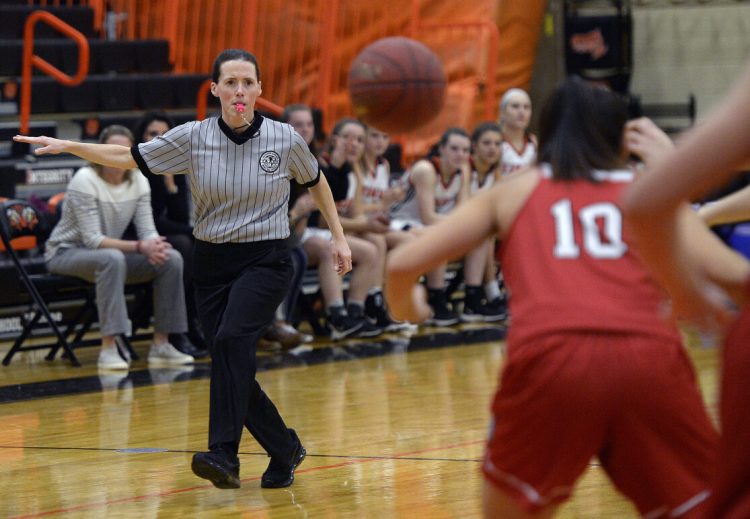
492	290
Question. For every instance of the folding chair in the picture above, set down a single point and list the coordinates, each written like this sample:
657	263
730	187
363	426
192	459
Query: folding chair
46	287
19	219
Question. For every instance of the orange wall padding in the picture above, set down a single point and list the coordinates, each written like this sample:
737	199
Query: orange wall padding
520	24
304	47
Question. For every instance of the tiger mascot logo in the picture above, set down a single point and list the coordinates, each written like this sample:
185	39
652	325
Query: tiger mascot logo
21	218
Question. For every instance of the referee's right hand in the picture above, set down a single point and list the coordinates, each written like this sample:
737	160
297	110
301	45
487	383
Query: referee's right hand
342	256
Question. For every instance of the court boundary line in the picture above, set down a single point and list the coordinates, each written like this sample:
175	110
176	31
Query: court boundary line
406	456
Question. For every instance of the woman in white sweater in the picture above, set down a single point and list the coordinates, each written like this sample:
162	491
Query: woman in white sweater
100	203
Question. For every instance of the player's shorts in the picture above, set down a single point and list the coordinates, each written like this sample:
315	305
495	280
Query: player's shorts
315	232
730	496
629	399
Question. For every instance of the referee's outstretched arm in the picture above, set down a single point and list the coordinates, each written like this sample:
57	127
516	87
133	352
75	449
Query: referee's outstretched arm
113	155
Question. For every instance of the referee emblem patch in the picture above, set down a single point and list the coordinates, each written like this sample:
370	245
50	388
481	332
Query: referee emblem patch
270	161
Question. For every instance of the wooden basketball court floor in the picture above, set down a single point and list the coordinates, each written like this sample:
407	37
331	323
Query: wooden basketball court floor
393	428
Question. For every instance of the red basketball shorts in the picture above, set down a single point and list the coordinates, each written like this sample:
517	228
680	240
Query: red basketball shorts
730	497
629	399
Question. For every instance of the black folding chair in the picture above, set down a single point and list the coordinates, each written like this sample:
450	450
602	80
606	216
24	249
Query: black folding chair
18	218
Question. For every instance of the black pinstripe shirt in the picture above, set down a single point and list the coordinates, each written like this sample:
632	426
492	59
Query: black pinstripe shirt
239	182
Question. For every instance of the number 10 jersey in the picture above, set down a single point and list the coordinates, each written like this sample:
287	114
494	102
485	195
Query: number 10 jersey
570	265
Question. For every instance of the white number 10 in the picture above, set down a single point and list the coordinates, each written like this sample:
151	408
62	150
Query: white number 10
606	244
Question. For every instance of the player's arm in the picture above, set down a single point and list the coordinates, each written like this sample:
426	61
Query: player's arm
357	206
722	264
423	179
490	213
450	238
732	208
465	191
342	256
705	158
112	155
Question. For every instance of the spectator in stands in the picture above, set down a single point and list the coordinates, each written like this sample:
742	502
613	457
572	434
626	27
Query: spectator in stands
434	187
170	202
87	242
338	163
483	300
519	146
373	177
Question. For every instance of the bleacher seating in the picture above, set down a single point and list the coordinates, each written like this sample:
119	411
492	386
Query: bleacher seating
124	75
13	17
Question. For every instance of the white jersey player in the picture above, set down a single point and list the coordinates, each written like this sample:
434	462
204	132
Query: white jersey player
519	146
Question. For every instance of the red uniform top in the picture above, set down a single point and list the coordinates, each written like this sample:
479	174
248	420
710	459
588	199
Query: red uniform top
569	263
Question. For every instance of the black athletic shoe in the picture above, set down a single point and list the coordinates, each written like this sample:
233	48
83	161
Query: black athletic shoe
343	326
217	467
500	305
482	313
368	330
441	314
281	474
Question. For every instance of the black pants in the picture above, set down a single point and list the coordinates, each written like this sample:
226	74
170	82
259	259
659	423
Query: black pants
238	288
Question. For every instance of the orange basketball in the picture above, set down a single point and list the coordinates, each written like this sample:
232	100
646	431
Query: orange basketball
396	84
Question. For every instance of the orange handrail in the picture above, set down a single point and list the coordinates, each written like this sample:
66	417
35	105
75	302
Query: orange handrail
30	59
201	103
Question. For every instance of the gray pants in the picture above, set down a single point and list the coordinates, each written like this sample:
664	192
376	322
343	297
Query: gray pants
111	269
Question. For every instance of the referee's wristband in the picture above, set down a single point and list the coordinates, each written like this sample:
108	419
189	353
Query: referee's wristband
138	246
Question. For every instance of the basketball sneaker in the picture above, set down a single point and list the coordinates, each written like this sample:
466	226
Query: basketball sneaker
442	315
368	329
341	324
500	305
479	312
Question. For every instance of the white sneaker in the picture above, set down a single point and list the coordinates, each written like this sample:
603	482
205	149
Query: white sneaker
110	359
167	355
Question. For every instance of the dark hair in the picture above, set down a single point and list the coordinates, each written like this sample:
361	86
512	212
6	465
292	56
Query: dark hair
434	150
580	130
289	109
452	131
343	122
229	55
483	128
106	133
147	119
340	126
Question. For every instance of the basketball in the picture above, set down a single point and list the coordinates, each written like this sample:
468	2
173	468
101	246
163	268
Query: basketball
396	84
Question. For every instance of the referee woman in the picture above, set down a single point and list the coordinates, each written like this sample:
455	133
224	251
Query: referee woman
239	166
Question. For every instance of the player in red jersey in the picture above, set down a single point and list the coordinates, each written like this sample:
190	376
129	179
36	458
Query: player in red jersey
592	369
706	158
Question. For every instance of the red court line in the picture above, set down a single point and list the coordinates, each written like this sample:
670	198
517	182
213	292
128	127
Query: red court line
353	461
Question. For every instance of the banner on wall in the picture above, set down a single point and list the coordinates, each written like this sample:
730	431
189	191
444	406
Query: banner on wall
599	48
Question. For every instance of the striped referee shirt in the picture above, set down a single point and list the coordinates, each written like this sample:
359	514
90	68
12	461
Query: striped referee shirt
94	209
239	182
